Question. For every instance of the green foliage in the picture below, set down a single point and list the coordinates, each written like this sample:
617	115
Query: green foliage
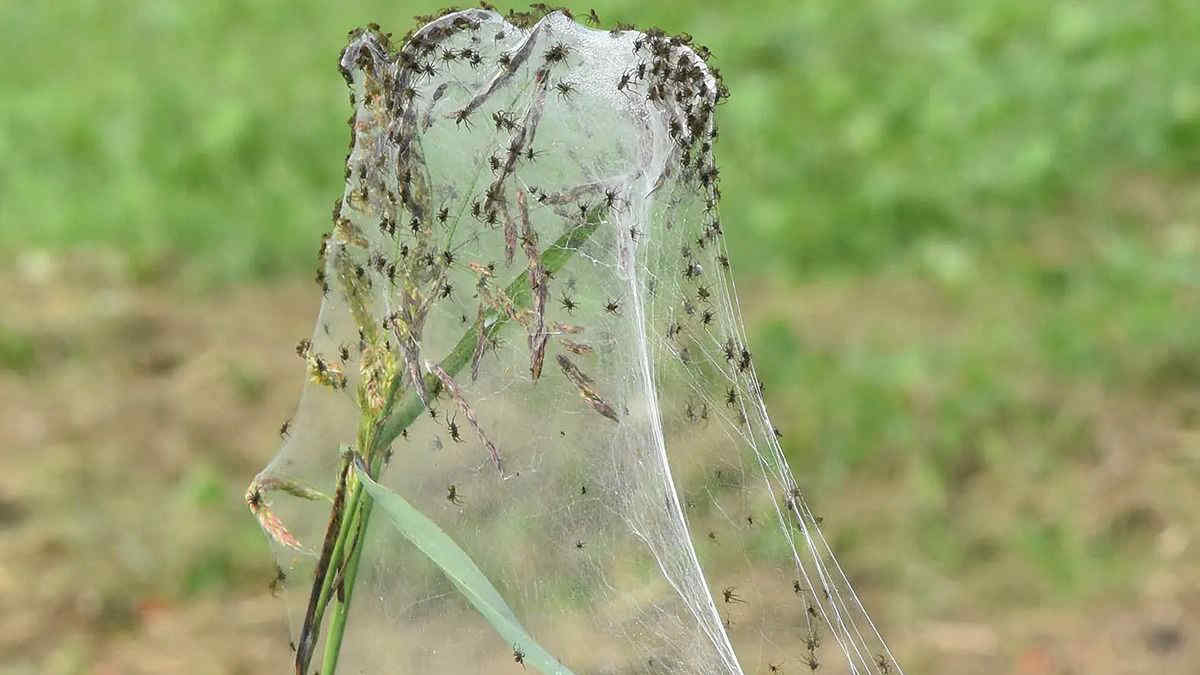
203	133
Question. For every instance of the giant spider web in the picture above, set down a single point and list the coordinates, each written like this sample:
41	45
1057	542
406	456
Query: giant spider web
604	454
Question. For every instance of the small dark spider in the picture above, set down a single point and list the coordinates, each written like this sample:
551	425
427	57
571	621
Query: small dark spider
610	198
730	352
744	360
448	257
593	18
285	428
579	544
731	596
707	317
452	495
711	535
276	584
494	162
796	588
449	55
811	662
557	53
703	293
583	489
453	428
774	668
565	90
443	214
724	260
462	117
613	307
344	353
623	82
518	655
583	209
882	662
568	303
731	397
531	154
446	290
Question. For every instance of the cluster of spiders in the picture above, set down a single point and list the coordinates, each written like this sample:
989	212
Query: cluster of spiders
420	240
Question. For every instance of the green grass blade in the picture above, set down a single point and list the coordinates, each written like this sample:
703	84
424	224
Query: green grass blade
460	569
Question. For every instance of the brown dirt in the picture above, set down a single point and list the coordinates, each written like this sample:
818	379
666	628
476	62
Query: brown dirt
138	414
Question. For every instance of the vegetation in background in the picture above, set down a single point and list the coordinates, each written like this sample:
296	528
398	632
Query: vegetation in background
967	237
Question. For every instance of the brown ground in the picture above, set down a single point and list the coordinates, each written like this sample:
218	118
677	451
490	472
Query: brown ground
135	415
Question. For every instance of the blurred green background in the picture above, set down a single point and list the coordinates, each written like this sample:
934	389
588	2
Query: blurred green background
966	236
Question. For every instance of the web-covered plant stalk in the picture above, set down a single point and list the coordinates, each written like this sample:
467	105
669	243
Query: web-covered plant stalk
530	353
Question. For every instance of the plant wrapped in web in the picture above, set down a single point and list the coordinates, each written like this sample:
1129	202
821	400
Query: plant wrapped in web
533	435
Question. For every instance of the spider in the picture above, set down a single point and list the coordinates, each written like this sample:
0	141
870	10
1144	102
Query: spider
565	90
277	583
557	53
610	198
613	307
285	428
443	214
462	117
624	81
774	668
593	18
882	662
452	495
813	640
454	431
531	154
344	353
568	303
811	662
579	544
730	595
731	397
518	655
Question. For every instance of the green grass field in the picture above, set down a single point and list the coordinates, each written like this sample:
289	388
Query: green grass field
969	234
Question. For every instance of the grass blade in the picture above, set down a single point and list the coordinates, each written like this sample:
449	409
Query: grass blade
460	569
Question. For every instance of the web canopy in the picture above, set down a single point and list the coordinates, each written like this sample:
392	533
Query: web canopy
530	333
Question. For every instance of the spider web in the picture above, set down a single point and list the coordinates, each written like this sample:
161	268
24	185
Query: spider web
605	457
